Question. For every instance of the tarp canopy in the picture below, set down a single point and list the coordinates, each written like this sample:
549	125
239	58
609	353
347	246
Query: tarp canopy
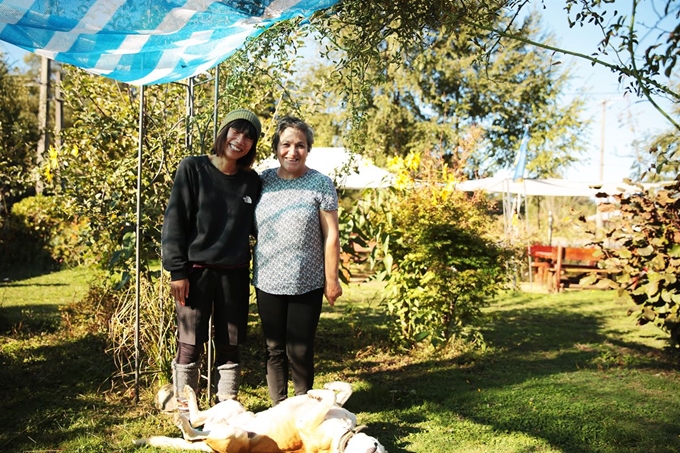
550	187
347	170
143	42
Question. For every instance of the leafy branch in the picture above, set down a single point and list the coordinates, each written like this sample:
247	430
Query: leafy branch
643	81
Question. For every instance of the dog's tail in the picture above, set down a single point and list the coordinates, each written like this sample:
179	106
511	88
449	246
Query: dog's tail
175	443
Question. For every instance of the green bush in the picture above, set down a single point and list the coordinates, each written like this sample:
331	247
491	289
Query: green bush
646	262
38	234
432	246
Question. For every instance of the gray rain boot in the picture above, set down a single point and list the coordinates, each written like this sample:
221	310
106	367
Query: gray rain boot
184	375
227	381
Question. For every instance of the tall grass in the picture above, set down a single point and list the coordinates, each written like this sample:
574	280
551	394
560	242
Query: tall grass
565	372
156	332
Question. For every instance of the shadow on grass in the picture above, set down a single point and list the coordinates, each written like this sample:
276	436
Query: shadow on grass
18	285
532	350
47	388
49	384
10	275
29	318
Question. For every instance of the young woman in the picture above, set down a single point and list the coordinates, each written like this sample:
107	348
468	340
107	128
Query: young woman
206	249
296	258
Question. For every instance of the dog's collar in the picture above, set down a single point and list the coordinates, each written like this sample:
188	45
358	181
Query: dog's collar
344	439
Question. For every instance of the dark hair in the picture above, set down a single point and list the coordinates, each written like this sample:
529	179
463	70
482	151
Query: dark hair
296	123
244	127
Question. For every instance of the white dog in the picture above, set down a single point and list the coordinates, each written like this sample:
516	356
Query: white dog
312	423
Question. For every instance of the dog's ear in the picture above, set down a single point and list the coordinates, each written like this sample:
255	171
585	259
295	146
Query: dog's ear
165	400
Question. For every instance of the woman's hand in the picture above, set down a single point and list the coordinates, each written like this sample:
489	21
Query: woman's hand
180	290
332	290
331	248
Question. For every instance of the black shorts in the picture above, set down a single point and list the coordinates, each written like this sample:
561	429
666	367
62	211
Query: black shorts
225	290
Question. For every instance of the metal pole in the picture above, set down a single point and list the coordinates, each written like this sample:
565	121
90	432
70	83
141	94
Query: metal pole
189	114
210	323
138	237
507	209
216	101
526	209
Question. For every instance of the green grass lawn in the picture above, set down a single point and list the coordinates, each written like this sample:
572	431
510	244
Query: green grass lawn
562	372
29	302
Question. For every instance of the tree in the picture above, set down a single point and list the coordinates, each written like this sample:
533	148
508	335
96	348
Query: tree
362	30
646	260
646	264
322	103
647	70
435	248
659	155
18	138
427	96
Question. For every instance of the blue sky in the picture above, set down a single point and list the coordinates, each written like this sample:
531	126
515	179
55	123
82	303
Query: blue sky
14	53
617	119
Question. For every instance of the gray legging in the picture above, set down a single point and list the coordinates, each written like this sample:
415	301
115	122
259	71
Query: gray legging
289	326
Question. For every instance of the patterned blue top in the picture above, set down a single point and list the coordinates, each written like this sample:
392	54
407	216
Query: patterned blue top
289	254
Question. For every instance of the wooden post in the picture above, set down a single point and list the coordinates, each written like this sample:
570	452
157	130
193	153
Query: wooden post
558	268
58	108
43	119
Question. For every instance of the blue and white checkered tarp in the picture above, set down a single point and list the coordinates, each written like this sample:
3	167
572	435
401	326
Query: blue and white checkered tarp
143	42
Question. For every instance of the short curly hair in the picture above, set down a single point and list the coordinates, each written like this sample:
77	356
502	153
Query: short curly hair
296	123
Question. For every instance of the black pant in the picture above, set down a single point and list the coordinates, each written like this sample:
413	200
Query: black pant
289	326
223	292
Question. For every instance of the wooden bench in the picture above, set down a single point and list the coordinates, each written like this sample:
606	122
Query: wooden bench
572	263
557	266
354	261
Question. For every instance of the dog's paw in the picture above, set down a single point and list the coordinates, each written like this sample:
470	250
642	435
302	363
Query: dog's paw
314	394
338	386
343	391
188	393
182	422
319	394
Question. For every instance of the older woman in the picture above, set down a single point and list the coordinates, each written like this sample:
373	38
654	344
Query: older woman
296	258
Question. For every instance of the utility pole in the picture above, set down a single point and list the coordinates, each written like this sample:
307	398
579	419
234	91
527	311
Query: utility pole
604	110
58	108
599	223
43	109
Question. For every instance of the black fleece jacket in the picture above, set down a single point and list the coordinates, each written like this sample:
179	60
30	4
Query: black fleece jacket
209	217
